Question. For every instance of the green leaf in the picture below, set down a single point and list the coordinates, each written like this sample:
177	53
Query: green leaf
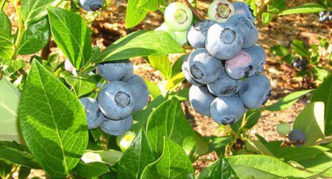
173	163
276	6
311	122
300	48
6	25
153	88
267	17
304	9
134	14
177	66
218	144
162	64
34	10
320	163
111	157
141	43
16	153
299	154
287	101
175	81
168	120
279	50
52	122
89	170
82	85
150	5
136	157
72	38
324	93
35	37
9	99
320	73
218	169
24	172
6	45
251	166
5	169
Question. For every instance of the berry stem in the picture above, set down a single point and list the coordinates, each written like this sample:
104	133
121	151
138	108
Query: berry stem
196	13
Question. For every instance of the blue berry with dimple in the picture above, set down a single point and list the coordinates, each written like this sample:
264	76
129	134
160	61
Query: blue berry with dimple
92	112
226	110
116	100
91	5
297	137
244	9
186	72
255	91
203	67
116	127
200	99
115	70
197	33
223	42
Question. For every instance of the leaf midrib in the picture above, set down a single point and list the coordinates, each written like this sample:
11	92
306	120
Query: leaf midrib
53	120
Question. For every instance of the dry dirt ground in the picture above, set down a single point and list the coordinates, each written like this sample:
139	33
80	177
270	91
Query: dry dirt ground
108	26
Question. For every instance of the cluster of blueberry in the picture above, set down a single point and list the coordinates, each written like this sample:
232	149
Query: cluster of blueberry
91	5
126	93
325	16
225	67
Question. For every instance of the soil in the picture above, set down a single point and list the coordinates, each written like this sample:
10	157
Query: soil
109	25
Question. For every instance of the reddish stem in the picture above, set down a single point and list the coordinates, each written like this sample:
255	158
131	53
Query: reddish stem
196	13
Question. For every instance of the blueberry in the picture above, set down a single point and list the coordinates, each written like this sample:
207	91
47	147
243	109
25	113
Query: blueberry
91	5
297	137
220	10
324	18
197	33
226	110
240	66
115	70
224	86
223	43
92	112
329	13
283	129
140	90
301	64
245	27
116	100
186	73
181	37
255	91
244	9
178	16
116	127
321	13
258	56
203	67
164	27
200	99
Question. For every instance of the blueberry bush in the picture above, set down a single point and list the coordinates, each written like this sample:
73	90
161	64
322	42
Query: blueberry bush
91	116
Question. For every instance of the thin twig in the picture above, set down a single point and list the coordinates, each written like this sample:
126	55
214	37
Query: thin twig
196	13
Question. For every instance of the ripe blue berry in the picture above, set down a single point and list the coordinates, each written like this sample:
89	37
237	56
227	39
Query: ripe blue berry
116	100
91	5
245	27
197	33
258	56
240	66
140	90
226	110
186	72
244	9
203	67
297	137
220	10
115	70
200	99
255	91
116	127
92	112
224	86
223	43
178	16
